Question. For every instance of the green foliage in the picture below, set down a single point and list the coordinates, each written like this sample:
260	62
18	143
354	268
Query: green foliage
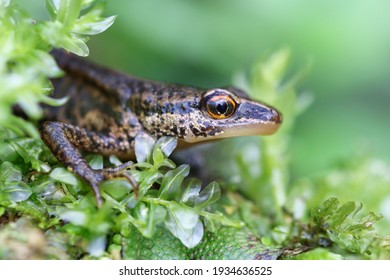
179	204
343	226
265	178
344	229
26	65
72	23
165	197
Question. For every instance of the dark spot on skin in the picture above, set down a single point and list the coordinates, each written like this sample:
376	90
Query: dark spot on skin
182	131
174	130
197	132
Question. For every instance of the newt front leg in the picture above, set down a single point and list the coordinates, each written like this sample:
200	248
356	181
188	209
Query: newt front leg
64	140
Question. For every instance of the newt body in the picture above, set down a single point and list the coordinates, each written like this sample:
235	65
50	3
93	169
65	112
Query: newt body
106	110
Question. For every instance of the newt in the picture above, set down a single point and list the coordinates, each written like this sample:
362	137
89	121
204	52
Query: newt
106	110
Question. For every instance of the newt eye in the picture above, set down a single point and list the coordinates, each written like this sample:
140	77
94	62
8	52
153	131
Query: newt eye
219	104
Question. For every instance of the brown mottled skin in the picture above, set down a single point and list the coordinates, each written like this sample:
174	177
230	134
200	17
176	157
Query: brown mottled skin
106	110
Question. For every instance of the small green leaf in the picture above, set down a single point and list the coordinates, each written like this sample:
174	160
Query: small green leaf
30	107
172	181
96	246
148	217
76	217
141	212
143	165
75	45
47	63
7	153
143	147
343	212
330	206
167	145
191	192
68	11
148	178
184	223
18	191
29	150
93	27
51	8
95	161
117	188
8	172
158	156
26	126
211	225
62	175
54	102
325	211
208	195
167	163
114	160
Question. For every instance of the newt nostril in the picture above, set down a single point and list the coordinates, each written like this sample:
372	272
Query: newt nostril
276	117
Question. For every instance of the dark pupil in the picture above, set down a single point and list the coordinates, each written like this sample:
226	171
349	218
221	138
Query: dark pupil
222	107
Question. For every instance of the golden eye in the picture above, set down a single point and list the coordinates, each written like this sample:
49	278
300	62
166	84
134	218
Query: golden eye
219	105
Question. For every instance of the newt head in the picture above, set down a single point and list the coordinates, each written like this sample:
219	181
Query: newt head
193	115
230	113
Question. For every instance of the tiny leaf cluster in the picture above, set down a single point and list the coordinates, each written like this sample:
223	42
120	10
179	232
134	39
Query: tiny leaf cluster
25	62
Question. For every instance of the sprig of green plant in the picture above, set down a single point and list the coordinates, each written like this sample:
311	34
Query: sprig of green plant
180	204
72	22
337	231
25	62
343	225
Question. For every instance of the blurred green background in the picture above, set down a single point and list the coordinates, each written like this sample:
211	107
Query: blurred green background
206	42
